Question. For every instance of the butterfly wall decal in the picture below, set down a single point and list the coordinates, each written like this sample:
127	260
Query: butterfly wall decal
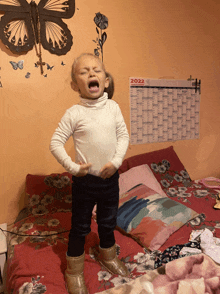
28	74
17	65
26	25
49	67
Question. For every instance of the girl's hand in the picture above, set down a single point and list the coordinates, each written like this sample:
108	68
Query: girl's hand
108	170
94	216
84	168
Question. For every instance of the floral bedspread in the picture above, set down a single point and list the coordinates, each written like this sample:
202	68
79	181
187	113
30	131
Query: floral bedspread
37	262
38	243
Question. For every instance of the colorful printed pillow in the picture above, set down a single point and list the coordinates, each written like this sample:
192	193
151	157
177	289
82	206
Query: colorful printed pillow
136	175
49	193
165	165
151	218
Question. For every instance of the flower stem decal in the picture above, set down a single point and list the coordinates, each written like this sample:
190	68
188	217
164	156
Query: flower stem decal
101	22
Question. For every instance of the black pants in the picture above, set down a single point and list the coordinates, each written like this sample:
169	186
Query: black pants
88	191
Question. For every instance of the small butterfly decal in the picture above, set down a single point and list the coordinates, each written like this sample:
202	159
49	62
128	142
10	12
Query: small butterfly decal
28	74
17	65
49	67
24	25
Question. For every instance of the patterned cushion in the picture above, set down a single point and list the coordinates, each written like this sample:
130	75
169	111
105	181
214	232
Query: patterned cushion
151	218
49	193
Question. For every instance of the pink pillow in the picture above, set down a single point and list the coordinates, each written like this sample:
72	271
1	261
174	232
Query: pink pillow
141	174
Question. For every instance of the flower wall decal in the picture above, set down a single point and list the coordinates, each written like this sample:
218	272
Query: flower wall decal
101	22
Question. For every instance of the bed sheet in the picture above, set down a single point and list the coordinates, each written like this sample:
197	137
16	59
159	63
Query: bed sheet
36	263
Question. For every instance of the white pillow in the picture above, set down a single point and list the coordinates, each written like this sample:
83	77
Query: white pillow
141	174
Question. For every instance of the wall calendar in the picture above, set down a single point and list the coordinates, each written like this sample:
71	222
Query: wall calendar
163	110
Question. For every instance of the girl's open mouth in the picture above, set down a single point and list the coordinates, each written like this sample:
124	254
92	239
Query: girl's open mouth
94	86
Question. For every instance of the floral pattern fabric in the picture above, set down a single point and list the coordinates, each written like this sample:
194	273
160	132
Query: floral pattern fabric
178	184
174	252
38	243
48	194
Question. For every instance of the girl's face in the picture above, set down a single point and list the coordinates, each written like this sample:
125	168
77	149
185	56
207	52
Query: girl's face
90	77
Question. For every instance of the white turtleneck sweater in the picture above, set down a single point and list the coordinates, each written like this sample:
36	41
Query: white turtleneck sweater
99	133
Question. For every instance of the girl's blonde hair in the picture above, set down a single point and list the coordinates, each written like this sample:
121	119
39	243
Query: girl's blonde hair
110	89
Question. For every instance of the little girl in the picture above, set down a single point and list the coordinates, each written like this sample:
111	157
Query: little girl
101	141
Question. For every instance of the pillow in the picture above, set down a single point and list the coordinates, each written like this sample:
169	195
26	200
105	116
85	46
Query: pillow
49	193
151	218
165	165
136	175
211	182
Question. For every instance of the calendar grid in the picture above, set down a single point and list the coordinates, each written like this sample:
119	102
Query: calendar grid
163	110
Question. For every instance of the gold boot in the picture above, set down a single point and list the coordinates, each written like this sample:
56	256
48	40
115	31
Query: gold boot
108	258
74	276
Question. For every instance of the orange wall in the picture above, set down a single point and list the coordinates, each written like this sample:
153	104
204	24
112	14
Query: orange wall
151	39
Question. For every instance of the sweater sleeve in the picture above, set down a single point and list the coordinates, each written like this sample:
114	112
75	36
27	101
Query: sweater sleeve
122	139
61	135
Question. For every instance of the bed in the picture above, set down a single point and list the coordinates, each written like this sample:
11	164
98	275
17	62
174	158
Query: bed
166	222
